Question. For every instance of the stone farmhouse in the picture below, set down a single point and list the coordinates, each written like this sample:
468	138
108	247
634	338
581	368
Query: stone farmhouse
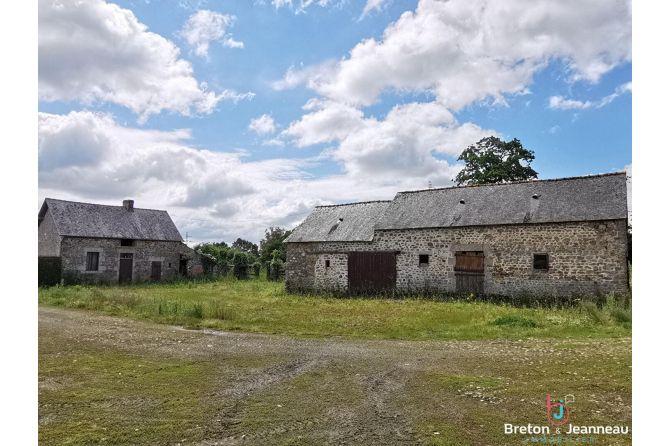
113	244
559	237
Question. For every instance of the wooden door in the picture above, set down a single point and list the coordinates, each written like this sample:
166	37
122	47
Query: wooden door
156	271
126	268
371	271
469	271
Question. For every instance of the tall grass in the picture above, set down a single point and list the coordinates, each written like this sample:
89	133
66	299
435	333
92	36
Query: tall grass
261	306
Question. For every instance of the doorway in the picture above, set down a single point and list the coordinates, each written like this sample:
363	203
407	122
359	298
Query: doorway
156	271
126	267
469	271
371	271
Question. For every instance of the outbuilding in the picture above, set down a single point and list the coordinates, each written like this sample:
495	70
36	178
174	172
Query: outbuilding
103	244
562	237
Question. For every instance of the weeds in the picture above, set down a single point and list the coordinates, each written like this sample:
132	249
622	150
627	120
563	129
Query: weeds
262	306
515	321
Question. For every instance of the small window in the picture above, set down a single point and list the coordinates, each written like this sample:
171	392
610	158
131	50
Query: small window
540	261
126	242
423	259
92	261
327	263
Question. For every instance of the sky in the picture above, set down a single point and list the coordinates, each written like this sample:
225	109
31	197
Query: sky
240	115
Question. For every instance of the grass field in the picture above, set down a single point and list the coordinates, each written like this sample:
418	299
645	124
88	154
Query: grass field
264	307
106	380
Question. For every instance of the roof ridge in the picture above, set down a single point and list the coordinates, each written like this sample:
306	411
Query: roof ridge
351	204
105	205
622	172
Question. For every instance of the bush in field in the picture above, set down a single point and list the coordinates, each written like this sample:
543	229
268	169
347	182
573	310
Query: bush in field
240	266
274	271
257	269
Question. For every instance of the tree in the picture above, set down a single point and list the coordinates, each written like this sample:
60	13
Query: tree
492	160
274	241
245	246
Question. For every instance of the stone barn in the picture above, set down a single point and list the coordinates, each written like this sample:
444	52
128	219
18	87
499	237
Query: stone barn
561	237
113	244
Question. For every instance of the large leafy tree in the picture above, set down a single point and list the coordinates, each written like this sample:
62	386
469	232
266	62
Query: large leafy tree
492	160
273	240
245	246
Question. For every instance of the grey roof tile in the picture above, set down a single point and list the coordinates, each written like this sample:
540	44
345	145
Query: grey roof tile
323	223
597	197
97	220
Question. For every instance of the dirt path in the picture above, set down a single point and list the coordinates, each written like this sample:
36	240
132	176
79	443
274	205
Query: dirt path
272	389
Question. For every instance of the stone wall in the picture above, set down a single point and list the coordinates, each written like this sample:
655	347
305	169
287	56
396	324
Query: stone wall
48	240
583	257
73	255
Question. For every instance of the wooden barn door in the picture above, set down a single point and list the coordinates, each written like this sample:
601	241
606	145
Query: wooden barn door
155	271
469	272
126	268
371	271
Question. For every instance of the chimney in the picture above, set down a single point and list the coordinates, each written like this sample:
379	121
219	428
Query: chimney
128	205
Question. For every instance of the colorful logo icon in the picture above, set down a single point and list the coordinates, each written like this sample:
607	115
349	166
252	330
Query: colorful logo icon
558	413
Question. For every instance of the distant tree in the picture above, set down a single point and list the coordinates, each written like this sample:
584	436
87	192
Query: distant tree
492	160
274	241
245	246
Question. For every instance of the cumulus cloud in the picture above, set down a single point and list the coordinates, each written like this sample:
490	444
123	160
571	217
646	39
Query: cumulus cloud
206	26
463	51
404	143
218	195
96	51
561	103
263	125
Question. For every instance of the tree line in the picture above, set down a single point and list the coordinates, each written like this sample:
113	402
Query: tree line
243	256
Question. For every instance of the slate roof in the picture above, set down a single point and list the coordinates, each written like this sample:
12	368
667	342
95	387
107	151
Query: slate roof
589	198
596	197
103	221
323	223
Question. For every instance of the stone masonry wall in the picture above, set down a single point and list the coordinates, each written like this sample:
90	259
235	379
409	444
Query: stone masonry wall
583	257
73	255
48	240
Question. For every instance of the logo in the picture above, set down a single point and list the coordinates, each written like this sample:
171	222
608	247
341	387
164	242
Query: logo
558	413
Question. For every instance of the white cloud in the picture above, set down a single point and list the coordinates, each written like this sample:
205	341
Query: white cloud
561	103
372	4
403	144
95	51
205	26
217	195
263	125
463	51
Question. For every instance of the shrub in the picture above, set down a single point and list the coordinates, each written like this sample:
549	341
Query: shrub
241	266
196	311
48	271
515	321
275	267
621	316
593	313
257	269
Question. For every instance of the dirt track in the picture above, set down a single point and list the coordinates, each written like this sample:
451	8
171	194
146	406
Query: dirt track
272	389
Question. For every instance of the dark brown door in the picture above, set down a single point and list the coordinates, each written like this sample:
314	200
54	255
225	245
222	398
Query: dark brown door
126	268
371	271
469	272
155	271
183	267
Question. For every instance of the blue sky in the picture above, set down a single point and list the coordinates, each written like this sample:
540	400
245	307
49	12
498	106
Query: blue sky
348	118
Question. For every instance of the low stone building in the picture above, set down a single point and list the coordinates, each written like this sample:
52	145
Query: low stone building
113	244
562	237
